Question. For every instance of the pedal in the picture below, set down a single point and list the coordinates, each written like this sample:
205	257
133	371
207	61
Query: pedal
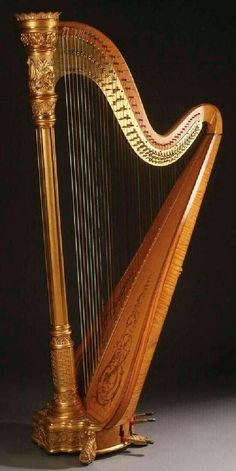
139	440
135	438
142	418
143	414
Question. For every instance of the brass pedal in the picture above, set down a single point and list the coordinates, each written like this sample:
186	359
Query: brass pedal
144	420
144	414
135	438
139	440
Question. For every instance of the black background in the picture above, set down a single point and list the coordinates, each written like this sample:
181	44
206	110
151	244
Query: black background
181	54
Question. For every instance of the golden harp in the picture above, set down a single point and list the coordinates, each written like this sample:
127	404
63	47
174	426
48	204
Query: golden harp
135	196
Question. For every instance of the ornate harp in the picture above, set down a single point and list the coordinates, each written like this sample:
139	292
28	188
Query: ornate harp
135	197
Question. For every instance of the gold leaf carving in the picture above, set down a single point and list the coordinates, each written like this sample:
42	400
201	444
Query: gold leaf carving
88	453
62	339
66	396
41	75
58	440
62	367
44	109
38	16
38	39
111	377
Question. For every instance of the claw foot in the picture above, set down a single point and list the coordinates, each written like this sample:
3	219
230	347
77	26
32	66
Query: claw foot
88	452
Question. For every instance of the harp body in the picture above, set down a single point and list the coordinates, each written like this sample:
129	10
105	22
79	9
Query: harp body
101	418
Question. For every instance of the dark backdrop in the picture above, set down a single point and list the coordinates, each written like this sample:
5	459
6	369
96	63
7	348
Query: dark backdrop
181	54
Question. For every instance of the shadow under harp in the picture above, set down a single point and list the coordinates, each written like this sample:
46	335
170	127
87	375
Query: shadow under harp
114	256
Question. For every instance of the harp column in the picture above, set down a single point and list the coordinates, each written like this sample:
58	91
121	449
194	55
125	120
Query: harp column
39	34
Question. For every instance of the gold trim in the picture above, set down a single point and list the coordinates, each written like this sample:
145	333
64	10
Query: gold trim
39	39
37	16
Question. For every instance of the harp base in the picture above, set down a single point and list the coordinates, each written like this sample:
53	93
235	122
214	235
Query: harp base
56	434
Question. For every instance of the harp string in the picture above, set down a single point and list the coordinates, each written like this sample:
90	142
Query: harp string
115	195
105	156
99	178
84	215
97	247
75	198
89	202
91	196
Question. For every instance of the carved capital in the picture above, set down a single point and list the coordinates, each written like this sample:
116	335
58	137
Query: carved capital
44	109
37	40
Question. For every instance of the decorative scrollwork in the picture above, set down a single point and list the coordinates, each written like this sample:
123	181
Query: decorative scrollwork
62	340
39	39
66	440
50	15
111	377
43	109
40	34
63	433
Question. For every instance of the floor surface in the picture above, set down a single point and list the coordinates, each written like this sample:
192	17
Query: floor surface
194	431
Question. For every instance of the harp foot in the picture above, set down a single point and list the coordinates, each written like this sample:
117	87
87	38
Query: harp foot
88	452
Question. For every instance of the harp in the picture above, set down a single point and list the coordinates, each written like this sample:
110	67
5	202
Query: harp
135	196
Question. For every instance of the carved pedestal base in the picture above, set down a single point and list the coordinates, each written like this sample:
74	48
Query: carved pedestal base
62	434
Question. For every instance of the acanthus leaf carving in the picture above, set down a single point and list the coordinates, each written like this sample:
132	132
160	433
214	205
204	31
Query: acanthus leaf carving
41	74
39	39
88	452
44	108
62	339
